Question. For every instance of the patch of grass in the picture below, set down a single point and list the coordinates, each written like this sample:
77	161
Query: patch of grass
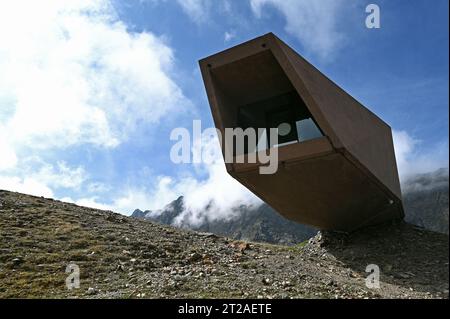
302	244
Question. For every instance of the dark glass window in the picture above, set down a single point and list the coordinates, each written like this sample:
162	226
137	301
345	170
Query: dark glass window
287	112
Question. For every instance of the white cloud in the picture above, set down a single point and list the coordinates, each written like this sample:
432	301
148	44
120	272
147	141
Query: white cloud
411	162
60	176
134	197
97	187
8	158
313	23
88	202
218	195
426	182
42	181
25	185
197	10
73	74
228	36
225	7
214	197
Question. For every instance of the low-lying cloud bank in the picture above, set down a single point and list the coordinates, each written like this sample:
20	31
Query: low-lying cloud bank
219	196
209	192
95	81
412	158
426	182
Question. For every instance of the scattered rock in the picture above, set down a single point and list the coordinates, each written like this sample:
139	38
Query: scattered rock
162	262
240	246
194	257
91	291
17	261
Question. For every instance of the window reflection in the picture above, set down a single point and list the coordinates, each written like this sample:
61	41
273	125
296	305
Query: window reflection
287	113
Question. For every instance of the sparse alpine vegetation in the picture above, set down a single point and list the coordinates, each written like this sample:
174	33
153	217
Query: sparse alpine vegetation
122	257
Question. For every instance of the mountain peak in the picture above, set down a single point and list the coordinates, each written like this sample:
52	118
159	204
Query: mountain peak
138	213
425	199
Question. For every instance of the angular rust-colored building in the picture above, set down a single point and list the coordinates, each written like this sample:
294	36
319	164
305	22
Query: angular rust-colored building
337	168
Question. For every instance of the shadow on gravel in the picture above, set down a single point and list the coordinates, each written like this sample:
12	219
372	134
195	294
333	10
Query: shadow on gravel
406	255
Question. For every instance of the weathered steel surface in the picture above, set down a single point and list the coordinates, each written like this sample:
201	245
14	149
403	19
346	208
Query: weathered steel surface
344	180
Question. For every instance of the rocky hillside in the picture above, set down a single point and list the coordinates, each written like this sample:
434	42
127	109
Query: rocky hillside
262	224
122	257
425	197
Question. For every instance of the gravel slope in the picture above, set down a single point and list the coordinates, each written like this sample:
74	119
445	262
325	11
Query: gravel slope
121	257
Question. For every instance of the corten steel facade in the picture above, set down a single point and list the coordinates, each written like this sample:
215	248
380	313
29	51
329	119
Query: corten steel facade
343	176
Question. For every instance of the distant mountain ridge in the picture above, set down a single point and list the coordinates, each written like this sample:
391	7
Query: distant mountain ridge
262	224
425	199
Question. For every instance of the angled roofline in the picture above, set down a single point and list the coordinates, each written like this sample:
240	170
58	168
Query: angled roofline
351	128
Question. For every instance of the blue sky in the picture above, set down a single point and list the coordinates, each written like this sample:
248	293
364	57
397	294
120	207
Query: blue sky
90	91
